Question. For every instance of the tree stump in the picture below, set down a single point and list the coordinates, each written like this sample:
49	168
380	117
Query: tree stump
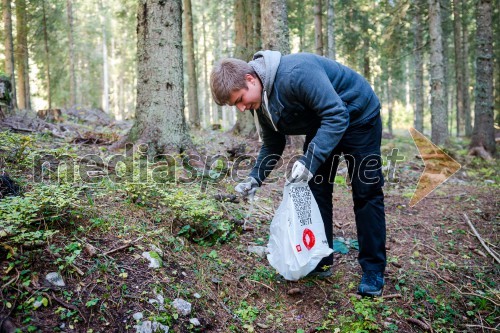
50	115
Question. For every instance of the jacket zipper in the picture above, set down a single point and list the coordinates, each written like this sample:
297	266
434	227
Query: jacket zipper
268	112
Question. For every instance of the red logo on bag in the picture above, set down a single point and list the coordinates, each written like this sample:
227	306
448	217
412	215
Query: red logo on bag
308	238
298	248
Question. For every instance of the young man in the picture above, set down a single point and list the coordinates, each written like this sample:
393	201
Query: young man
338	111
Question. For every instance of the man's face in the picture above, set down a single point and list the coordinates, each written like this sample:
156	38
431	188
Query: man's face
249	98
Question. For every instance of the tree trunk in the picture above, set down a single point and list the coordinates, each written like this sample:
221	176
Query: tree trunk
105	67
318	27
418	55
457	24
194	110
9	50
466	72
484	130
243	49
331	30
390	104
23	81
275	34
302	28
496	52
47	55
159	112
71	44
207	101
407	86
366	50
439	117
445	34
257	28
243	30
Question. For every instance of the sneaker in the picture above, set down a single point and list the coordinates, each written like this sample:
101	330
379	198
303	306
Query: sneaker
371	284
320	274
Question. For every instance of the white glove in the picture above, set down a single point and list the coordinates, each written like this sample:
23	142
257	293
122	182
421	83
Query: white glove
248	187
300	173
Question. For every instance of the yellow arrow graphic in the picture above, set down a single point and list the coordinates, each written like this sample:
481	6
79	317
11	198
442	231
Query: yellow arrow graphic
438	166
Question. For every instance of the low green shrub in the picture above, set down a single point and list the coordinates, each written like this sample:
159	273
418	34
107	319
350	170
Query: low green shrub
25	218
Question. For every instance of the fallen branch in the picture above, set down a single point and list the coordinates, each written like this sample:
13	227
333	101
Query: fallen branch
481	239
68	306
392	296
420	323
483	327
464	293
122	247
21	129
78	270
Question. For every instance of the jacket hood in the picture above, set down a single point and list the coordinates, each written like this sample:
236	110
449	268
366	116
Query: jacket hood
265	64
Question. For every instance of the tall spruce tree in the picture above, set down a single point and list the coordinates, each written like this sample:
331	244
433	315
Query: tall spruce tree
160	121
71	53
9	49
459	78
330	29
418	59
22	57
484	130
193	109
244	47
274	19
318	27
439	116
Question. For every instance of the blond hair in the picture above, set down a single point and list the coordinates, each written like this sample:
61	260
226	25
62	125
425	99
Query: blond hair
228	75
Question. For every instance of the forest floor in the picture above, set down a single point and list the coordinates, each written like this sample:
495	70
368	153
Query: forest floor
439	277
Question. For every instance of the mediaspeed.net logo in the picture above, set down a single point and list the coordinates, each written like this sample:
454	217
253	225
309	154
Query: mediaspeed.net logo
135	166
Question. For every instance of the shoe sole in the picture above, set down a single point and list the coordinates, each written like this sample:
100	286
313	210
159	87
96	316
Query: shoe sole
319	275
371	294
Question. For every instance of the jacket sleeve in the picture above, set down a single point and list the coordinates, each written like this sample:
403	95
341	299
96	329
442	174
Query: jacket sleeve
312	88
273	144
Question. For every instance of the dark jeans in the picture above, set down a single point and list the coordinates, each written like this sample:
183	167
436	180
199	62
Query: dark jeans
361	148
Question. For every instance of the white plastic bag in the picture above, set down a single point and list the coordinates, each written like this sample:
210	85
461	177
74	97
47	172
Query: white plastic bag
297	241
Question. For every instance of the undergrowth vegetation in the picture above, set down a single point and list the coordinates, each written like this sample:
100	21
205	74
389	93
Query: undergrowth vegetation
94	233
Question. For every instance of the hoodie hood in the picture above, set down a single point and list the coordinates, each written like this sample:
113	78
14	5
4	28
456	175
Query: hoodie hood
265	64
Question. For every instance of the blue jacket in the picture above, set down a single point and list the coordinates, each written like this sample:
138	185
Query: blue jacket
310	95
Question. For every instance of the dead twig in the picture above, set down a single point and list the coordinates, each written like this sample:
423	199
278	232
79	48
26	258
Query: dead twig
68	306
265	285
122	247
78	270
464	293
14	279
484	297
419	323
323	290
481	239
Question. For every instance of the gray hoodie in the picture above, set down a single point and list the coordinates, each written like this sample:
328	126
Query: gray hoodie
265	64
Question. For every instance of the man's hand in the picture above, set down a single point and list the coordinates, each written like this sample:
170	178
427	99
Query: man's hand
300	173
248	187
